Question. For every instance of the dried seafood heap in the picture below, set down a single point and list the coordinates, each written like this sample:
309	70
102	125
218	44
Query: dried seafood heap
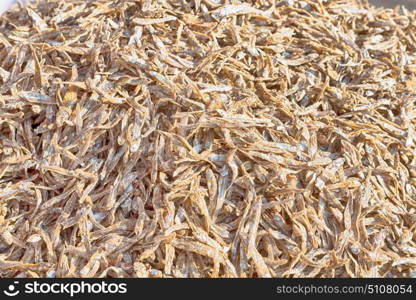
207	138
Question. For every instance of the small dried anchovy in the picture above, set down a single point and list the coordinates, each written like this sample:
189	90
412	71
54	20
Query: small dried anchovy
207	139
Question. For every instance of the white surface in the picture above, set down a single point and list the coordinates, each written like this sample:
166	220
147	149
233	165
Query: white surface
5	4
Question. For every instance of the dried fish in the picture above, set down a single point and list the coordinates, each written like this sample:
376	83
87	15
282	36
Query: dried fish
207	139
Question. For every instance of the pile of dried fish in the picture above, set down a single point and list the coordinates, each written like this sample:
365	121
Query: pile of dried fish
207	138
